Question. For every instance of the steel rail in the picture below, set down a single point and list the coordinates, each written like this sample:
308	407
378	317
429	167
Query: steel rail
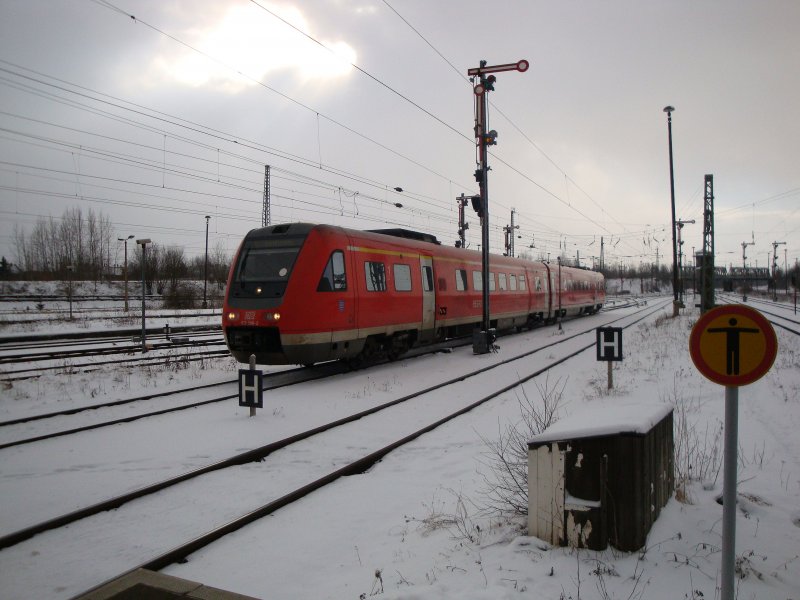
358	466
263	451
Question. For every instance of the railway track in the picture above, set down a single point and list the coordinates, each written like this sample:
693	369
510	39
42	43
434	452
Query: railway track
47	340
114	315
272	381
786	322
65	353
275	466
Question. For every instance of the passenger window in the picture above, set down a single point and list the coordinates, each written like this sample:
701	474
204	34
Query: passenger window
477	280
538	284
402	278
512	283
491	282
502	281
522	282
376	276
427	278
333	277
461	280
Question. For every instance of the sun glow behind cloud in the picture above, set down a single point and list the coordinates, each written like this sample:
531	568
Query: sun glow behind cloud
246	45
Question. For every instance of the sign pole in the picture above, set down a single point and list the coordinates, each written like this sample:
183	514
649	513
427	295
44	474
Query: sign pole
609	348
732	345
253	368
251	387
729	491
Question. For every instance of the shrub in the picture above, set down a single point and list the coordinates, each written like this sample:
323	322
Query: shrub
180	295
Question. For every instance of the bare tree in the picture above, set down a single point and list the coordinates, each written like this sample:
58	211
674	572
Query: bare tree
54	244
219	264
172	265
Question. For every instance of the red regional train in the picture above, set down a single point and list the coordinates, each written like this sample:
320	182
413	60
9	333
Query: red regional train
300	293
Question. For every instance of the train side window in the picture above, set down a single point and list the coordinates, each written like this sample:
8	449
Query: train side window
427	278
461	280
376	276
491	282
538	284
522	282
502	281
402	278
512	282
477	281
333	277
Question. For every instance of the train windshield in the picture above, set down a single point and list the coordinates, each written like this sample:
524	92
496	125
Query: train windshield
264	267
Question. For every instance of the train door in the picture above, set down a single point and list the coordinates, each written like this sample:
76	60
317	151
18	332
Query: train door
549	289
427	330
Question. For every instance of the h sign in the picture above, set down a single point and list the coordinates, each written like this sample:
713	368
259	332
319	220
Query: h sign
250	388
609	343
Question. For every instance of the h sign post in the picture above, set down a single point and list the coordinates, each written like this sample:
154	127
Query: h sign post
251	391
609	348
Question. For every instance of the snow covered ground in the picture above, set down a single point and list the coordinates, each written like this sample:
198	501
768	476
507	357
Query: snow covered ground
416	526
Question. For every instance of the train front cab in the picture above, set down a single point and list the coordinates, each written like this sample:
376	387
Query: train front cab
287	294
342	295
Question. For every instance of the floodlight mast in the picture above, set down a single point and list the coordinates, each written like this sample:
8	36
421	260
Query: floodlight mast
483	342
675	303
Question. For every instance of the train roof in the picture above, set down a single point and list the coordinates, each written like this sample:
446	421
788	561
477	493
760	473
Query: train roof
302	229
283	228
408	234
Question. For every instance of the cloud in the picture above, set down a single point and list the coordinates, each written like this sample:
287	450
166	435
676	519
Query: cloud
245	45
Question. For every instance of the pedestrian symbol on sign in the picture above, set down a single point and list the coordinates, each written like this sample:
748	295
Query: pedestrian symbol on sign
732	343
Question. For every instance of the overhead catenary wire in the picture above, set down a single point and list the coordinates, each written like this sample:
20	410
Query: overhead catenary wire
518	129
237	141
374	78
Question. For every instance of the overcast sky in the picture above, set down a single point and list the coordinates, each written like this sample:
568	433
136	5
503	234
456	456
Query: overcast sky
158	113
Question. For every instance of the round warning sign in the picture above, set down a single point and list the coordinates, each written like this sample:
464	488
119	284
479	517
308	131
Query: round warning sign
733	345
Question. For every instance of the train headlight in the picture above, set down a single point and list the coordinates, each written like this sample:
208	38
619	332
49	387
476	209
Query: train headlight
232	316
258	290
276	316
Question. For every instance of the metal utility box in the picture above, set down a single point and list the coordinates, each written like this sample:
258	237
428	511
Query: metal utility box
601	476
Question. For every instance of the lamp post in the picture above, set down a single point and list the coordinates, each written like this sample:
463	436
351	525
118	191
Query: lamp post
125	268
675	304
205	269
143	243
70	269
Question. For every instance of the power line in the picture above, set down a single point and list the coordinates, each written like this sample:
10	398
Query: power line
273	90
195	127
519	130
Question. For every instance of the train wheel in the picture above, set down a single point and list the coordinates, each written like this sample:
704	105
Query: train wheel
368	353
